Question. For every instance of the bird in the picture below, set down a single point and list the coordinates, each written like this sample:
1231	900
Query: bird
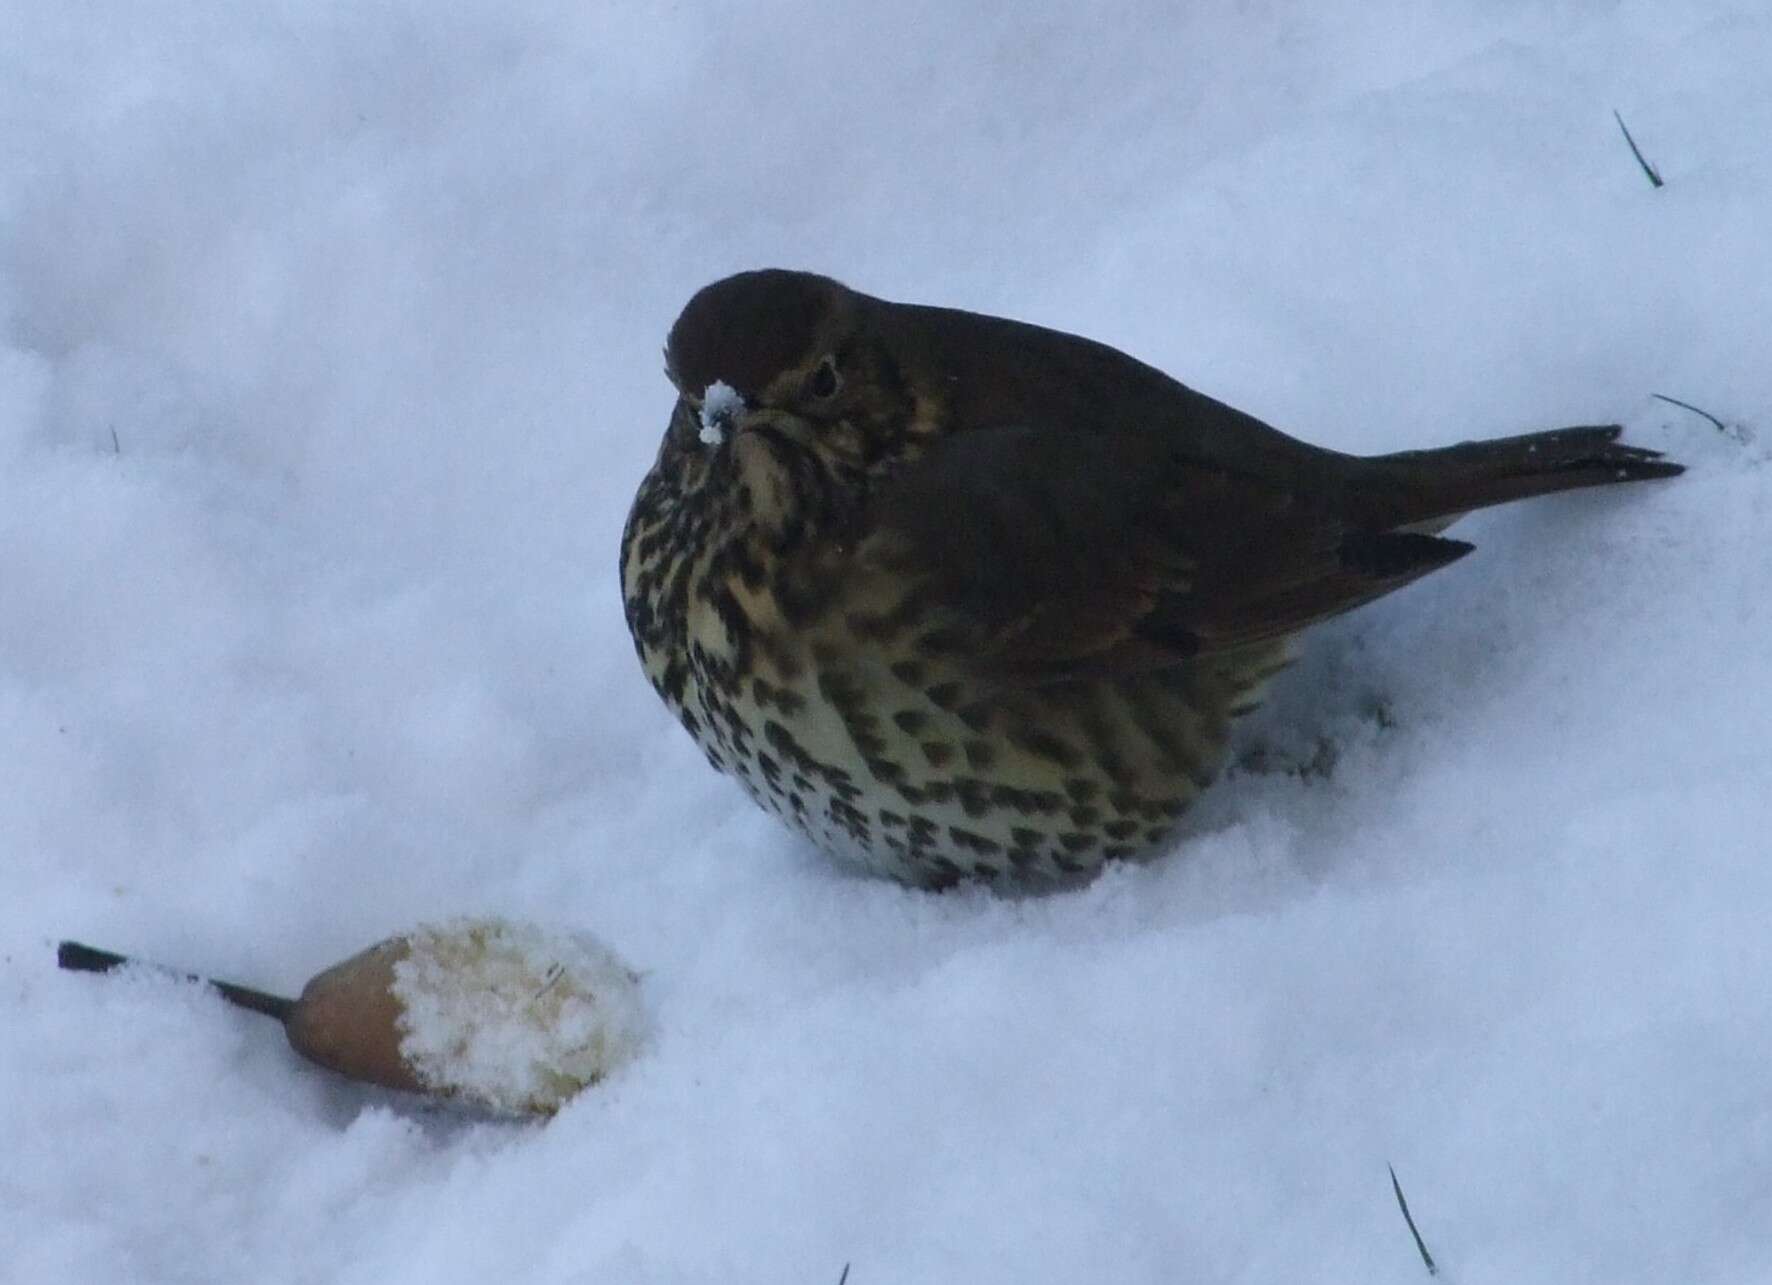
963	598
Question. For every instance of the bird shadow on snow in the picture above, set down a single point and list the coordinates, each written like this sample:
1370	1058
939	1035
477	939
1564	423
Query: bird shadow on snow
1290	761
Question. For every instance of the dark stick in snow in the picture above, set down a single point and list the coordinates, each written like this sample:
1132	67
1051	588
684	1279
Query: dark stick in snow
1675	401
1654	178
77	957
1402	1204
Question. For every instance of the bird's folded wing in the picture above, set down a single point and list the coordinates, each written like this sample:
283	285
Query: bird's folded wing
1043	555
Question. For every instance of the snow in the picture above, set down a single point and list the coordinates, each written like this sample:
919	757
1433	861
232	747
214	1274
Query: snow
328	364
514	1017
720	402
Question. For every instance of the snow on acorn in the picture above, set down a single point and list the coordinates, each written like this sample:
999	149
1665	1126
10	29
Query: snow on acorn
506	1016
513	1016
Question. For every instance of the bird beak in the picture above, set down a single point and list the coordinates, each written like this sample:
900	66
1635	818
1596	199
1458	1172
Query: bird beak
719	424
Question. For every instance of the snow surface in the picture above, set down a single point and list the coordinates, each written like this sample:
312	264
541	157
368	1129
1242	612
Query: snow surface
329	342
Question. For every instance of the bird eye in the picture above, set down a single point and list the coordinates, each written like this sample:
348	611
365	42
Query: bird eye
824	381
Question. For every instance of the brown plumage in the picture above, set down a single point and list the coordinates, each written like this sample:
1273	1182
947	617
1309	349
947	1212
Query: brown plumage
960	596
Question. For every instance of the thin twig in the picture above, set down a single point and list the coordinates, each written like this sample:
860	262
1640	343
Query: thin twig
844	1278
1675	401
79	958
1654	178
1402	1204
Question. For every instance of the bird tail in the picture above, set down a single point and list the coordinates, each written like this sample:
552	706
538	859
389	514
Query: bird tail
1428	490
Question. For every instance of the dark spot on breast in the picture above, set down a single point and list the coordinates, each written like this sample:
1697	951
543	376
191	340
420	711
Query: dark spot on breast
979	754
908	672
910	721
1045	746
849	818
974	795
1111	762
944	695
976	716
784	742
840	690
766	694
1008	796
885	770
973	842
939	753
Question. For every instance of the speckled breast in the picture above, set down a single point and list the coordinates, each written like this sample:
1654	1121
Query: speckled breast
838	716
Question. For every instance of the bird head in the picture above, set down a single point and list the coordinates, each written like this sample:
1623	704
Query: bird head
794	360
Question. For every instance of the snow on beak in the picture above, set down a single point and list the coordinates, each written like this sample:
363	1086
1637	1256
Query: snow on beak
721	406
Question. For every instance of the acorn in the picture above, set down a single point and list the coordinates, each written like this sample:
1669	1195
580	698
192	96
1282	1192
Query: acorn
509	1017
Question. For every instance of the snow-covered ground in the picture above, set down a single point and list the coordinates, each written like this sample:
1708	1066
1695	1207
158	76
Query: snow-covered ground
329	359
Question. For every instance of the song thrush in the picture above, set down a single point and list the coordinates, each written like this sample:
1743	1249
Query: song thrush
958	596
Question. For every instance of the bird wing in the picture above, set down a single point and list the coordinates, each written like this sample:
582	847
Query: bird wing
1043	555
